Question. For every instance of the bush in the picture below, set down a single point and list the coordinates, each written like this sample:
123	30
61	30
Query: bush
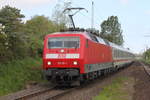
16	74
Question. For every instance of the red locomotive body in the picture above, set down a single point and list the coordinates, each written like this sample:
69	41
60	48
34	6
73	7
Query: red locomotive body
69	56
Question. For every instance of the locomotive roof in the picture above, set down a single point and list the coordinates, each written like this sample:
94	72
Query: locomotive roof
98	39
74	32
119	47
106	42
70	32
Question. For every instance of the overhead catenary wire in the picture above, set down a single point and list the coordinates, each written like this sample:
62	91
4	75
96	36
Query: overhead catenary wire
94	10
92	15
89	18
77	9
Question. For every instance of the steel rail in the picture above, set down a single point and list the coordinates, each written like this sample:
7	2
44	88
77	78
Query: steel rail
26	93
39	93
51	95
28	96
146	69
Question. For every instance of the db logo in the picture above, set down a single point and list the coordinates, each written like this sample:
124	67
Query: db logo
62	56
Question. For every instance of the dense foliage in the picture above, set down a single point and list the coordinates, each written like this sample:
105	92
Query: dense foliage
36	28
111	30
147	55
13	41
15	75
3	41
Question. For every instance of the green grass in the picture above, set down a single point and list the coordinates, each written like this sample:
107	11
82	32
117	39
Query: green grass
147	61
15	74
113	91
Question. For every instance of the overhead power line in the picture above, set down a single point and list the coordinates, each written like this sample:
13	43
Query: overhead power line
90	18
71	15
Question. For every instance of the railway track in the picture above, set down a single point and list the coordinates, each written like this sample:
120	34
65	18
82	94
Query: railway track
146	69
50	95
37	93
26	93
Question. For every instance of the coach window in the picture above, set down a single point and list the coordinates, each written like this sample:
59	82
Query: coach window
87	45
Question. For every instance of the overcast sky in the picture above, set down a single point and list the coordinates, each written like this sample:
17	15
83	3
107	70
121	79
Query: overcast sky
134	16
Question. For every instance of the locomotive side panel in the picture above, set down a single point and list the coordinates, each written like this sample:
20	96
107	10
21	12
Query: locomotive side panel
97	57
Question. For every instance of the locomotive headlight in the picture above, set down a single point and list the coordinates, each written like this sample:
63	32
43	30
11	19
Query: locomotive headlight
75	62
49	63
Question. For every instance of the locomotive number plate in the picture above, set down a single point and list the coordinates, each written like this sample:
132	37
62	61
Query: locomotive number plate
61	55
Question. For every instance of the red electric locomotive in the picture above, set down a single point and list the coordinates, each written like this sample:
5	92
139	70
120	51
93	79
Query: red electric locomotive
79	56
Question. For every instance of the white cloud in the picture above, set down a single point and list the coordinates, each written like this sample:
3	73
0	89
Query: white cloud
25	3
124	1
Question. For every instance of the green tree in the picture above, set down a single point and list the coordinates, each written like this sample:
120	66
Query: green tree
3	41
37	27
111	30
11	18
147	55
59	17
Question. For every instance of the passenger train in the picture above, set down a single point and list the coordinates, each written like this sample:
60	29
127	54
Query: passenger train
79	56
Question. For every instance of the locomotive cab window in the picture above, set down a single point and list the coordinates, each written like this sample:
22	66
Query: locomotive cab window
63	42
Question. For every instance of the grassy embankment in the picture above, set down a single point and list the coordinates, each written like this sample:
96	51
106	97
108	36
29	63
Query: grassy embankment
117	90
147	61
16	74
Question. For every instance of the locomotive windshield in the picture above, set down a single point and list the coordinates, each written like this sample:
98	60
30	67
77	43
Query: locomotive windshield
63	42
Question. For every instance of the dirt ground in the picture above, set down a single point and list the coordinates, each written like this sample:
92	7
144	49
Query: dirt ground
139	88
142	86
